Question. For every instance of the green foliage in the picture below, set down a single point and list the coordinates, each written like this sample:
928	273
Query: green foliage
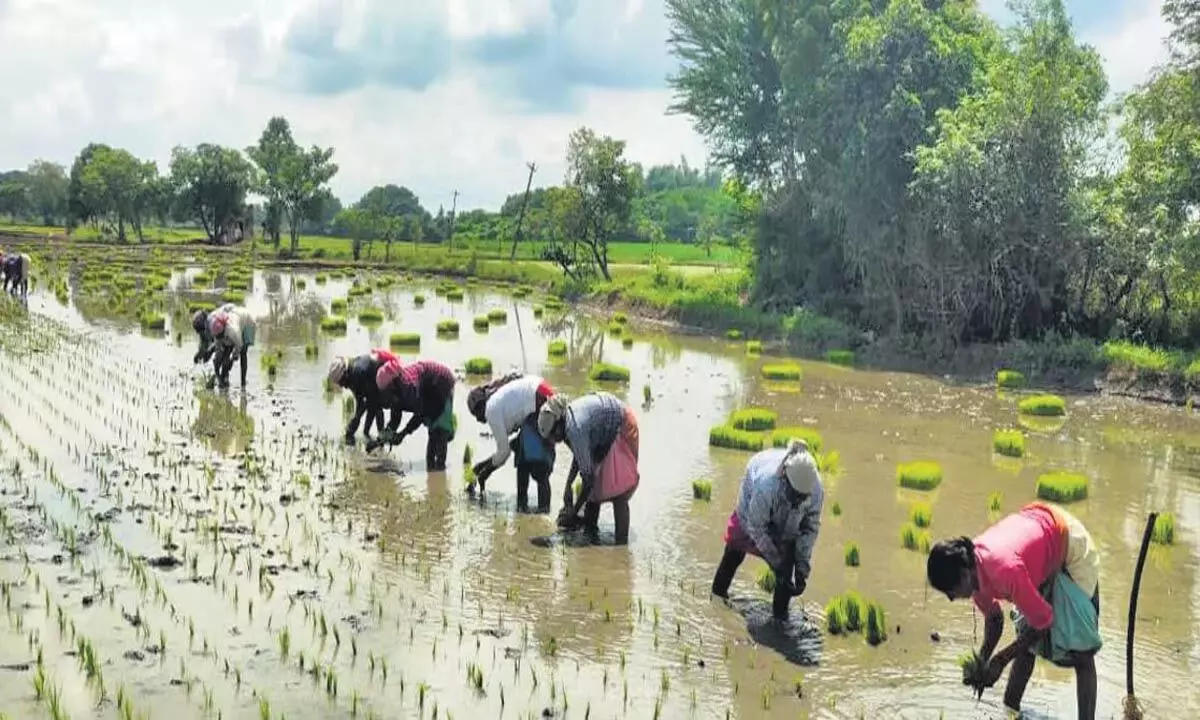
876	627
919	475
1009	442
497	315
448	326
914	538
851	554
212	183
1010	379
1062	487
727	436
1139	358
702	489
419	299
370	315
836	510
478	366
845	358
921	514
153	321
782	371
339	306
410	340
333	323
293	179
754	419
733	334
481	322
765	579
783	436
1042	406
754	347
1164	529
994	501
607	372
556	348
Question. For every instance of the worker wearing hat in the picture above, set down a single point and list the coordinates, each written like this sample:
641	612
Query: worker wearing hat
778	517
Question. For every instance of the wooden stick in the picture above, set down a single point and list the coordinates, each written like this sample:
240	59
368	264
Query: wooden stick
1133	600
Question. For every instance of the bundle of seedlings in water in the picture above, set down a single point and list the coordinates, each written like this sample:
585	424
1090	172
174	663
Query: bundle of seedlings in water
647	394
1164	529
727	436
733	334
754	347
270	361
153	321
447	327
522	291
844	358
538	311
754	419
556	348
607	372
405	340
1061	486
766	579
338	306
783	436
497	315
974	669
914	538
782	372
626	340
333	323
311	351
1010	443
702	489
554	303
370	316
1010	380
994	502
919	475
478	366
616	329
876	627
852	554
454	294
321	279
921	514
1043	406
481	323
419	299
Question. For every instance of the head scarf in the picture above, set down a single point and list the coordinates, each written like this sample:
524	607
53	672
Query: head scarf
800	468
551	413
387	373
337	370
216	323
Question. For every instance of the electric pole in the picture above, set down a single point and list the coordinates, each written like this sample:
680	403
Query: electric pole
521	216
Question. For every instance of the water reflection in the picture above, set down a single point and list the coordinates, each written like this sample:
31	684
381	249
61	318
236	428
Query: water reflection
221	425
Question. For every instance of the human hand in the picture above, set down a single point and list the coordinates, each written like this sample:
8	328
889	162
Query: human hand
350	440
799	586
995	669
567	519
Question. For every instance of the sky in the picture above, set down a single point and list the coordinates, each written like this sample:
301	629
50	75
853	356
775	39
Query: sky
437	95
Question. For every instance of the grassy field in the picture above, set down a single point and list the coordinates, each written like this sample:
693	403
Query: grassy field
318	246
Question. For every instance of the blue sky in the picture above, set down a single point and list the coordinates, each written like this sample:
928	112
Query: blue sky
438	95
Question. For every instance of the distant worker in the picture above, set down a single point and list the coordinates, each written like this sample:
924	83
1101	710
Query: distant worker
16	273
358	376
510	405
226	334
424	388
602	433
1043	561
777	518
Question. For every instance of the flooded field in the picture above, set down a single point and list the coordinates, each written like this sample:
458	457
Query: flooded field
166	550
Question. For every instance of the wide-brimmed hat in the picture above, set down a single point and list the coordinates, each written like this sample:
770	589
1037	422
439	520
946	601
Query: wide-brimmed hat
337	370
800	468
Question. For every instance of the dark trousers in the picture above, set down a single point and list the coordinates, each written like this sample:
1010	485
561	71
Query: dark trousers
436	449
540	474
728	567
620	504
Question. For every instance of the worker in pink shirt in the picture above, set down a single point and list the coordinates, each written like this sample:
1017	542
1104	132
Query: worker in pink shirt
1042	560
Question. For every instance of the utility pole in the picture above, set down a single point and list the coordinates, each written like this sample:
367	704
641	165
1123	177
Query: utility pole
521	216
450	233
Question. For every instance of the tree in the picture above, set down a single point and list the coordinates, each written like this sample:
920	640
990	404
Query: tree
291	178
115	185
14	194
604	183
212	182
78	211
358	225
47	186
1184	17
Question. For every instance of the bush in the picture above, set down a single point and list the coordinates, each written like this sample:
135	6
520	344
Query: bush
783	436
845	358
333	323
405	340
497	315
447	327
1010	443
557	348
919	475
1061	486
702	490
479	366
1164	529
370	315
754	347
727	436
852	556
338	306
481	322
1043	406
733	334
754	419
607	372
782	371
921	514
1010	379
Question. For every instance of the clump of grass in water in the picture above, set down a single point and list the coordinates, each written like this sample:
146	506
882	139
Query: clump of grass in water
852	554
1010	443
844	358
454	294
876	628
766	579
647	394
627	340
973	668
419	299
478	366
1164	529
1043	406
836	509
727	436
234	296
497	315
1062	487
322	279
782	437
919	475
702	489
616	329
447	327
405	340
782	371
994	502
311	351
921	514
754	419
338	306
538	311
481	323
270	362
1010	379
333	324
153	321
733	334
754	347
914	538
557	348
370	315
607	372
620	318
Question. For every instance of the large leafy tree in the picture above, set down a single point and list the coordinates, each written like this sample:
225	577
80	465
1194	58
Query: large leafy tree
118	187
212	182
291	178
603	184
47	184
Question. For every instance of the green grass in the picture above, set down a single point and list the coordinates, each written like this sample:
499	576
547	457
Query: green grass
754	419
851	554
1043	406
783	436
921	514
616	329
1164	529
538	311
404	340
321	278
497	315
447	327
194	306
782	371
914	538
269	361
1010	379
702	490
557	348
333	323
754	347
845	358
455	294
481	322
851	612
607	372
1010	443
1061	486
370	316
919	475
1140	358
729	437
338	306
233	296
478	366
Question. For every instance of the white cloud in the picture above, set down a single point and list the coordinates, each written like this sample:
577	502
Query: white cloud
147	75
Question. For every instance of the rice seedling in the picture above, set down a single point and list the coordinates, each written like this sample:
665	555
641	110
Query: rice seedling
553	303
321	279
233	296
836	509
405	340
876	626
727	436
647	394
994	502
1062	487
481	323
754	347
852	554
753	419
1164	529
702	490
339	306
153	321
920	514
1043	406
765	579
454	294
782	371
419	299
843	358
311	351
269	361
607	372
478	366
497	315
919	475
973	668
1010	443
1010	380
447	327
538	311
370	316
626	341
782	437
556	348
333	324
914	538
620	318
733	334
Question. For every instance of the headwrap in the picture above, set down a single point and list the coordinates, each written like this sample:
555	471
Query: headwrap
551	413
337	370
200	321
387	373
216	323
800	468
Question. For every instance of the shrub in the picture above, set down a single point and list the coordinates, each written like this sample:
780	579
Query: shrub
497	315
370	315
447	327
733	334
753	419
419	299
1043	406
727	436
781	437
754	347
921	514
333	323
608	372
851	553
919	475
1010	443
1141	358
481	322
405	340
1010	379
338	306
876	629
845	358
766	579
557	348
1061	486
782	371
479	366
1164	529
702	490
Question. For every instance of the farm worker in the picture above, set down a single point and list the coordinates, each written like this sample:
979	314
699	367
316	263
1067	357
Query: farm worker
16	273
602	433
228	333
1042	560
424	388
358	376
777	518
510	405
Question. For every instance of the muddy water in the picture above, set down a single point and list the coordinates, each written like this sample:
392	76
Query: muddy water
371	562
